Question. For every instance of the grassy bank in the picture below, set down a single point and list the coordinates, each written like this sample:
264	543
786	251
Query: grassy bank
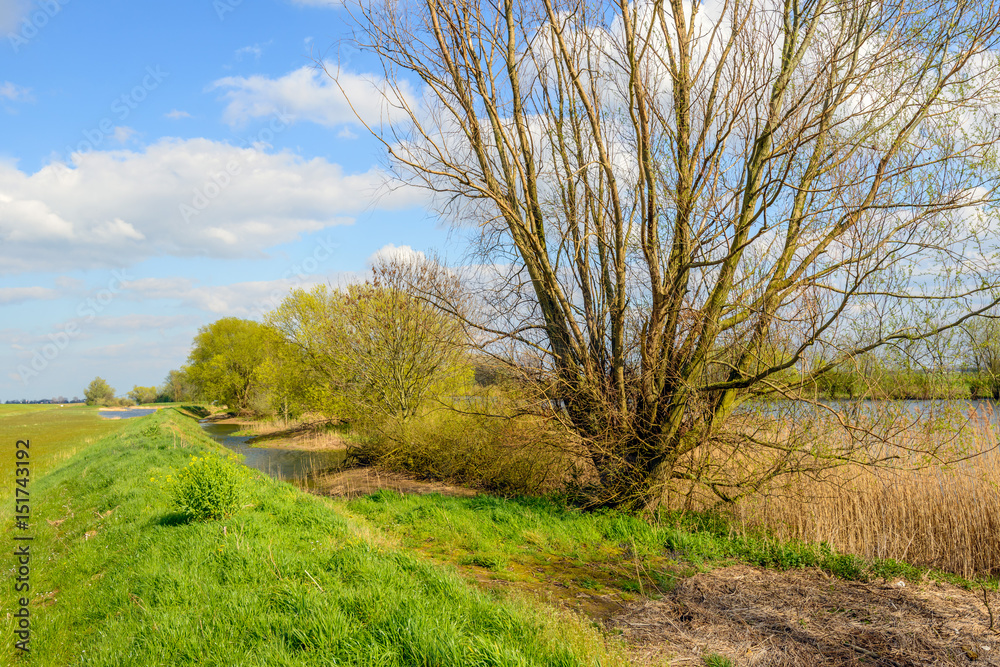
119	578
534	540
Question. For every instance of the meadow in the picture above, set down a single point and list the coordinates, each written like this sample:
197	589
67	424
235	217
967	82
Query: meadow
56	433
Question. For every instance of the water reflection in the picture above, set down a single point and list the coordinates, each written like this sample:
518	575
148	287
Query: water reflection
286	464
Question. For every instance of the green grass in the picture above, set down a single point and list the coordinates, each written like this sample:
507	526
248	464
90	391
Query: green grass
539	540
55	433
119	578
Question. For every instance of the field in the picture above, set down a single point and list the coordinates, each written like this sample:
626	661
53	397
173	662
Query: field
56	433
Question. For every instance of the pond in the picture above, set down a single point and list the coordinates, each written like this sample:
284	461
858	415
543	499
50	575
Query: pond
127	413
285	464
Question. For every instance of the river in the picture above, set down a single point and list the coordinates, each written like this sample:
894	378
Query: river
286	464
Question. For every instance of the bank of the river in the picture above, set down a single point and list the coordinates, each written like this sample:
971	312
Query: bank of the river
318	435
118	578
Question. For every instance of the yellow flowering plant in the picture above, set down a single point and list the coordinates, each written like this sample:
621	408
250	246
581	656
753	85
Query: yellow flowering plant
207	488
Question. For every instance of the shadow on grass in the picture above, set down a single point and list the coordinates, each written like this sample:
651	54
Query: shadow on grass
198	411
172	519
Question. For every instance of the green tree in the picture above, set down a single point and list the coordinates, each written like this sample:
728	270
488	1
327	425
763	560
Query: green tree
379	348
224	364
99	392
143	395
312	368
177	387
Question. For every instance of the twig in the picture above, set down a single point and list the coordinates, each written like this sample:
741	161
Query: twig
314	581
989	609
863	651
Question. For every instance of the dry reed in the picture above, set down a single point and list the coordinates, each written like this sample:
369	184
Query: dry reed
946	517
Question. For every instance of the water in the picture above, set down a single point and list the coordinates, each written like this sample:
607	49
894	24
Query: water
985	409
128	413
286	464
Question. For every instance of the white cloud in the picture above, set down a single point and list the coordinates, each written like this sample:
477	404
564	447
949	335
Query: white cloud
177	197
69	283
11	295
15	93
142	323
403	254
257	50
309	94
247	299
123	133
177	114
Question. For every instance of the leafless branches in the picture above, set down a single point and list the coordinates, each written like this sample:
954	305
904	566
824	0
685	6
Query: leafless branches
702	202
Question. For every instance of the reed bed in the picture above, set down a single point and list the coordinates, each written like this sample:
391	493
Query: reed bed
945	517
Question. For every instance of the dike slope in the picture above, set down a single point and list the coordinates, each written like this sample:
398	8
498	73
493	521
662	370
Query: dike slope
119	578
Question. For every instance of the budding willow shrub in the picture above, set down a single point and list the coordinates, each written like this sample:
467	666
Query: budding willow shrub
208	488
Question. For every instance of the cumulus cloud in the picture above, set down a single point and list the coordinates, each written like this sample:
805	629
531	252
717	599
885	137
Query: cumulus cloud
177	198
177	114
392	253
309	94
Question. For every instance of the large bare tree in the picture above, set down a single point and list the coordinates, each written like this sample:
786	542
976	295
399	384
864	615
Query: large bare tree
693	203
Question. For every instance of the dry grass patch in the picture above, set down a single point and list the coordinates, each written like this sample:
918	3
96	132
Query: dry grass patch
807	618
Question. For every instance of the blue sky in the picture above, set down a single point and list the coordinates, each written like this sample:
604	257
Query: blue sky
165	164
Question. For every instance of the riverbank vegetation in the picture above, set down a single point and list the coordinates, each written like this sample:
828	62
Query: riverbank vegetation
851	469
287	578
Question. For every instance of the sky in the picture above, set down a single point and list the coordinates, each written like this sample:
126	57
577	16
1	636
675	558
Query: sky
166	164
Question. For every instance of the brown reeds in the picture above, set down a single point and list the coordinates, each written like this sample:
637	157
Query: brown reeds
941	516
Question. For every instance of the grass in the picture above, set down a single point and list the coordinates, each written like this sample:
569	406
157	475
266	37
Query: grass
546	546
119	578
56	433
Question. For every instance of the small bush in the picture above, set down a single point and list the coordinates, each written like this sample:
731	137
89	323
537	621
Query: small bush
208	488
716	660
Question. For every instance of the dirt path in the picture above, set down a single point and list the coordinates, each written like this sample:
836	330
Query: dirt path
806	617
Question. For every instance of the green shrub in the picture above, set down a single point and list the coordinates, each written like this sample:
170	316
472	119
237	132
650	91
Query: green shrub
208	488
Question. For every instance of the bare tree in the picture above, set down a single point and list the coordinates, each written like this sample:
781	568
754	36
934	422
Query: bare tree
697	203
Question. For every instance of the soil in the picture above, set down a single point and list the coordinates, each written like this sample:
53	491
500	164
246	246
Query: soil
757	617
355	482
